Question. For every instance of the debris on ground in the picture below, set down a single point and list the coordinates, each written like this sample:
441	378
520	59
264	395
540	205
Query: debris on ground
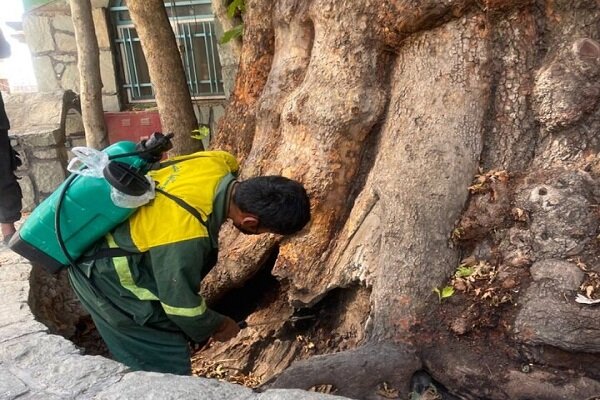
385	390
591	285
219	369
478	278
484	181
326	389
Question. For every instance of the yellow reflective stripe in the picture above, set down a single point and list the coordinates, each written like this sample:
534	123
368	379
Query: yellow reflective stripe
126	279
124	273
185	312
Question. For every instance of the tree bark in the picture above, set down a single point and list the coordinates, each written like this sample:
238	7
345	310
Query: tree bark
166	73
236	129
435	139
92	112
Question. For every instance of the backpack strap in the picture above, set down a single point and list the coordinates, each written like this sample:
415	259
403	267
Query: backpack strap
185	205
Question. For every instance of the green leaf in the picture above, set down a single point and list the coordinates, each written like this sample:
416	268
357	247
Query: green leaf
233	8
233	33
463	271
447	292
202	132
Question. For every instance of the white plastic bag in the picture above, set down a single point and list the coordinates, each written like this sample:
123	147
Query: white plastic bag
127	201
91	163
88	162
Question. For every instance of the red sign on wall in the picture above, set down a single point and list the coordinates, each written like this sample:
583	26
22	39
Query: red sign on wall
131	125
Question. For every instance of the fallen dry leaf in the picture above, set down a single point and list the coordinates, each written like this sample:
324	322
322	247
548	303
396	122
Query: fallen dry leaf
588	291
327	389
387	391
519	214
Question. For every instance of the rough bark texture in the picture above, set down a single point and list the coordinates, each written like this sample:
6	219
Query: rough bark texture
430	135
235	133
166	73
88	62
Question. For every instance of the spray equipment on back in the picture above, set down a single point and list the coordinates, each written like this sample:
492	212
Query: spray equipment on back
130	189
104	190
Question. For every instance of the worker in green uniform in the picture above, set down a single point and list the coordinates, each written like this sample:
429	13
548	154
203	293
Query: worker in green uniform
141	284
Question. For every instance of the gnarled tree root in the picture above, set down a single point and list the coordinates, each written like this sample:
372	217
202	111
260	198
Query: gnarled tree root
358	373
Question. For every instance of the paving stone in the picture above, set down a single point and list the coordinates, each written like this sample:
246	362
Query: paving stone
38	395
13	272
296	394
11	313
20	329
148	385
73	375
37	350
17	291
11	387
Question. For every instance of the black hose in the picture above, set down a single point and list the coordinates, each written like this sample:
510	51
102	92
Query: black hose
59	237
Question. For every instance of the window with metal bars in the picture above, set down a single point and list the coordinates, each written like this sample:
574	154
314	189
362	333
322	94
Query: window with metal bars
193	24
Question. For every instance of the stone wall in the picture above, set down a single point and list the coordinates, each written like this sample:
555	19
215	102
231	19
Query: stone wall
43	127
51	39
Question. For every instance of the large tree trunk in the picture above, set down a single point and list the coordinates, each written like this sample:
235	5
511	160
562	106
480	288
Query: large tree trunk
166	73
88	62
430	135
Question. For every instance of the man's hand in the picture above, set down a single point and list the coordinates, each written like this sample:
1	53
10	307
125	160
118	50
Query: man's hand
227	330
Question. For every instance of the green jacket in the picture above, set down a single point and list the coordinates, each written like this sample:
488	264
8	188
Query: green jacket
173	250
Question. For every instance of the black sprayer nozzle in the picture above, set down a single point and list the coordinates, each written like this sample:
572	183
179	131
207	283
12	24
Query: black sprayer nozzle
152	149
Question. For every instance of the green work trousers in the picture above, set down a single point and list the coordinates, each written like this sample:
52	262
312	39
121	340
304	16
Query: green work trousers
154	345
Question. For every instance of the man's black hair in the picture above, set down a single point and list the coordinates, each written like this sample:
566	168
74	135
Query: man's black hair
281	204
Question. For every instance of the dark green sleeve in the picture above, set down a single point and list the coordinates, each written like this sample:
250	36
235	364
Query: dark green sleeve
178	270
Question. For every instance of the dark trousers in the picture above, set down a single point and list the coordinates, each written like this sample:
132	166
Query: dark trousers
142	347
10	191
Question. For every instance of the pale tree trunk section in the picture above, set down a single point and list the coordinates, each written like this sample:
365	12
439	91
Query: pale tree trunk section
429	135
236	130
317	123
166	73
432	138
88	62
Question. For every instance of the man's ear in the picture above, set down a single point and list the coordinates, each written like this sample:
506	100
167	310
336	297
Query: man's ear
250	221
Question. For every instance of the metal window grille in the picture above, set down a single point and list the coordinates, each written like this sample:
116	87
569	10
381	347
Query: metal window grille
193	24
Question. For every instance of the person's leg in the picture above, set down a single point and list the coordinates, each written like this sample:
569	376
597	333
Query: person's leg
145	349
8	230
10	191
138	346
